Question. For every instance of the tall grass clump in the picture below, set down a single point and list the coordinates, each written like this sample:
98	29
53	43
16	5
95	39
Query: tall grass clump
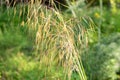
58	38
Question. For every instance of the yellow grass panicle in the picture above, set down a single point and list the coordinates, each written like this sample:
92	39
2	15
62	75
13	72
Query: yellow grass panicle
59	40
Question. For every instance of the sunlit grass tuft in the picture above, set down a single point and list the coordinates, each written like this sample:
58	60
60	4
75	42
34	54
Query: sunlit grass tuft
59	39
57	43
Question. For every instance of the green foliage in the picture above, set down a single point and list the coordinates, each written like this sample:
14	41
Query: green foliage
12	34
110	21
101	60
23	67
97	2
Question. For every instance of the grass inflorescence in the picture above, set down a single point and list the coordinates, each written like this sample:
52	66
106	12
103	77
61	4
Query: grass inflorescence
43	42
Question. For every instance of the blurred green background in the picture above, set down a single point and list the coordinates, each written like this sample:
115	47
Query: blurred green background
96	22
